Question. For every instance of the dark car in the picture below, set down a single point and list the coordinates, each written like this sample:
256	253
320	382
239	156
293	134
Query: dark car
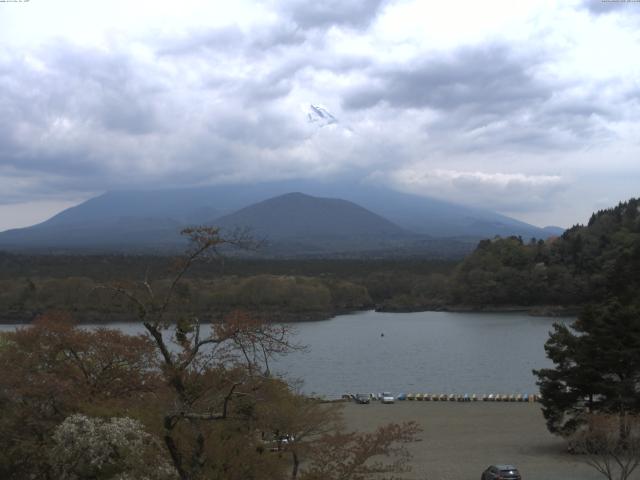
501	472
362	398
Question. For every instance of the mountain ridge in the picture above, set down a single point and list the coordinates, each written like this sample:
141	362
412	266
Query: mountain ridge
151	219
297	214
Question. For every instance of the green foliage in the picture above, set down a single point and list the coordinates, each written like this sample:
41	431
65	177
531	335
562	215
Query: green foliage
597	367
278	289
588	263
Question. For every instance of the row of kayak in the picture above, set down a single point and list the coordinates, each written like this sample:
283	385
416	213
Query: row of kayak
442	397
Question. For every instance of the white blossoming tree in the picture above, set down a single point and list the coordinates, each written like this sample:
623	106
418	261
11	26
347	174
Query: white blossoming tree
114	449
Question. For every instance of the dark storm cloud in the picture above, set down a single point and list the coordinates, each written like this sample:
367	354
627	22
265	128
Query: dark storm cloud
349	13
487	97
273	44
229	104
69	109
282	76
486	78
98	118
90	86
268	52
260	129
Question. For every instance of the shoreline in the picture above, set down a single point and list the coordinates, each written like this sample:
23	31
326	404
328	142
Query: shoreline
553	311
532	310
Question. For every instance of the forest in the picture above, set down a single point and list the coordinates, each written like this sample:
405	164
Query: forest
587	263
278	289
556	275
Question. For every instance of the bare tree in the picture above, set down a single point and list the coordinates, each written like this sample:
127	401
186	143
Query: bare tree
219	392
603	447
206	373
381	454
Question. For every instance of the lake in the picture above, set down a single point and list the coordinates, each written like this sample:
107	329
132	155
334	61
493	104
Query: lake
434	352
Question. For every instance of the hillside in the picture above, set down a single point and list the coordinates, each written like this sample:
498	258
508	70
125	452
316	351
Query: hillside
587	263
300	223
149	221
296	215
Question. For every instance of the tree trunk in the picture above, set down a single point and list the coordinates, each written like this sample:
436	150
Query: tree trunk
623	429
296	465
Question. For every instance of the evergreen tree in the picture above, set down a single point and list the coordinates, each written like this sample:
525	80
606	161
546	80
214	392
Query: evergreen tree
597	367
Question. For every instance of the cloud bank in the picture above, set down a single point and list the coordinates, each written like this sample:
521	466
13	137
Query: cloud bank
510	118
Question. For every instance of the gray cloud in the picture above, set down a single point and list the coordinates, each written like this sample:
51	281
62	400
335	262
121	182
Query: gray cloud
232	39
512	191
603	7
485	79
487	97
229	104
93	119
323	14
90	86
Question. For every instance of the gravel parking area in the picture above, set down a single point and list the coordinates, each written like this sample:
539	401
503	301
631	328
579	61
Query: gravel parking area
461	439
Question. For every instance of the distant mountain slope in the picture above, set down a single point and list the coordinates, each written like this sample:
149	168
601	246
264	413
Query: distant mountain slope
296	215
151	219
554	231
132	233
435	217
296	224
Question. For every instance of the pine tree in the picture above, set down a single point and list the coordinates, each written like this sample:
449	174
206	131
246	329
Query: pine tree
597	367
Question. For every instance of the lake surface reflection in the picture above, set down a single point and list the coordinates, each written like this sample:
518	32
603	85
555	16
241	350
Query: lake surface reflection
421	352
434	352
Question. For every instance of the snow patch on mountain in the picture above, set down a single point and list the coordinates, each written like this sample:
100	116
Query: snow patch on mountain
320	115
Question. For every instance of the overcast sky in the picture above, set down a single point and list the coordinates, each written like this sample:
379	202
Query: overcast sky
528	108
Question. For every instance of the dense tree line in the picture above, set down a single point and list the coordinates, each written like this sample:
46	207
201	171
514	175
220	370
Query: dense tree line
586	264
277	289
591	395
274	297
105	268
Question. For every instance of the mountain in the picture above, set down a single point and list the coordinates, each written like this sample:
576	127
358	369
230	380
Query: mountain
553	231
296	223
319	115
296	215
150	220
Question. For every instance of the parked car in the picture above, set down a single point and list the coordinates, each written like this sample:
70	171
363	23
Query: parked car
501	472
362	398
281	442
387	398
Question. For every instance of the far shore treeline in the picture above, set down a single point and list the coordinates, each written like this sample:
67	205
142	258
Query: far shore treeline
588	263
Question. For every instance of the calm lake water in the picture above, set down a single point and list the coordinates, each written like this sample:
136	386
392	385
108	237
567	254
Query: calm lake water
434	352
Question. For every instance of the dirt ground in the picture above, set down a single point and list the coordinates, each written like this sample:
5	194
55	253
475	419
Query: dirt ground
461	439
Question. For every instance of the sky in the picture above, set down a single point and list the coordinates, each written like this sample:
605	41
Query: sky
528	108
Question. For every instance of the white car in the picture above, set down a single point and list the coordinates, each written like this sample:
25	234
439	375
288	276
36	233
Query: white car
281	442
387	398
